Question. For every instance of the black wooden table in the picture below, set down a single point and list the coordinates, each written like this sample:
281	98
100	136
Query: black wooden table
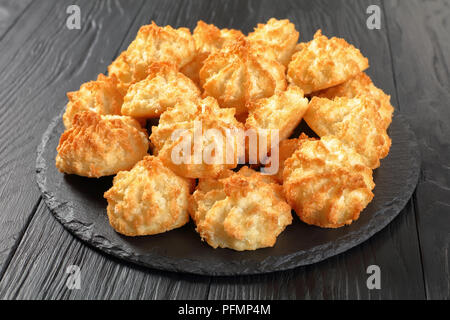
41	59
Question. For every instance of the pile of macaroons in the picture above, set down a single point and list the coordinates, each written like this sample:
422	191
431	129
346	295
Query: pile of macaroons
229	81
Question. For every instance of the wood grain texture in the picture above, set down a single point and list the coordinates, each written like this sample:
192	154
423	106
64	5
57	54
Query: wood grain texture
420	40
40	61
10	11
38	270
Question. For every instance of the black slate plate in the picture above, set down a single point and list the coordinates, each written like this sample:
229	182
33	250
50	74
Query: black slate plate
79	205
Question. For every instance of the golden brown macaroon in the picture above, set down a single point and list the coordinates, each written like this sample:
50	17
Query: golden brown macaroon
98	145
282	112
355	121
238	74
148	199
198	140
162	88
152	44
323	63
277	38
362	86
327	182
208	39
241	211
100	96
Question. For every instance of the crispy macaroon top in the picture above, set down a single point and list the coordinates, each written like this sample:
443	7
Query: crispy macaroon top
323	63
277	38
355	121
152	44
239	73
148	199
282	111
191	130
362	86
100	96
162	89
98	145
242	211
327	182
208	39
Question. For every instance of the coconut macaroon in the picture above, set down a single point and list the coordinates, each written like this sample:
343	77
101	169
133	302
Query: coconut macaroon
239	73
208	39
198	140
355	121
152	44
98	145
362	86
277	38
162	88
241	211
281	112
323	63
327	182
148	199
100	96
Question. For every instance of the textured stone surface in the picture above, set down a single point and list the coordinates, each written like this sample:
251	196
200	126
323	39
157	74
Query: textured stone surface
79	205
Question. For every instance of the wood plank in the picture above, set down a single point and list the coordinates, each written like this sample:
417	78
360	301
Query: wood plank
40	61
395	249
51	249
10	11
420	41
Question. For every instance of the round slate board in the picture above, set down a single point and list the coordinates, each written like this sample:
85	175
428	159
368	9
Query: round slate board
79	205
